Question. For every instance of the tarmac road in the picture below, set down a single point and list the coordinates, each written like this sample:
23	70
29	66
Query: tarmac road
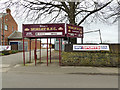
33	80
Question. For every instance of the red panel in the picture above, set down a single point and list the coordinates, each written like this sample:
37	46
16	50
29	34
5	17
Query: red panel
43	30
47	51
23	53
74	31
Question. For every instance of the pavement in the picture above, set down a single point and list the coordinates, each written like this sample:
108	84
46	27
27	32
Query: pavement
54	68
17	58
13	63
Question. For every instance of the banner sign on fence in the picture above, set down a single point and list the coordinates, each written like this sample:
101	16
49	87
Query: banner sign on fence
5	48
74	31
90	47
43	30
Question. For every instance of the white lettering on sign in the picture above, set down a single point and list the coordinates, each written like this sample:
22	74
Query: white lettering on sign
90	47
29	34
47	33
3	48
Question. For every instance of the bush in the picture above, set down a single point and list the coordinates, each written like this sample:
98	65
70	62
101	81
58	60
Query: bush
9	52
90	58
5	53
14	51
1	54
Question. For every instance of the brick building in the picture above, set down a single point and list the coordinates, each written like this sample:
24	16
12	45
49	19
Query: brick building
7	26
15	40
9	34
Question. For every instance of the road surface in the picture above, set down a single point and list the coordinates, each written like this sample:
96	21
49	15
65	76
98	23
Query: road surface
36	80
33	79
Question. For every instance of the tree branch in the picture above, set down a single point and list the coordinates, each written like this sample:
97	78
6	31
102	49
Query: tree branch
44	3
82	11
65	6
96	10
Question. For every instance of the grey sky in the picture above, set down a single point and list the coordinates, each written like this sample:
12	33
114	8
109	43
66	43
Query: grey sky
109	32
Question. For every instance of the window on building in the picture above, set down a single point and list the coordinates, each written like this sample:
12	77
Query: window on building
12	28
6	27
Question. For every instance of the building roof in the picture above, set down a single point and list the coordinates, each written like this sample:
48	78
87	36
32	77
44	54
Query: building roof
15	35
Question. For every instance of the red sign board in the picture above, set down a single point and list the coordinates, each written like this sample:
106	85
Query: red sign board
43	30
51	30
74	31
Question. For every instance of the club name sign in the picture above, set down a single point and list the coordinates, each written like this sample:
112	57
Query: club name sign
43	30
52	30
74	31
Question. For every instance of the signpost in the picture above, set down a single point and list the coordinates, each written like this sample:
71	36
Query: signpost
34	31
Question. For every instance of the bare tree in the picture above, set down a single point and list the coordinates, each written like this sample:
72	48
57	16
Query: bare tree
76	12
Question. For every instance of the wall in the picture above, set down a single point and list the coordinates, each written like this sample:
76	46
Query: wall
97	58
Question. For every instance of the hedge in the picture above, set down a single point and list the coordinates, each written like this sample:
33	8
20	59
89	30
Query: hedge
90	59
8	52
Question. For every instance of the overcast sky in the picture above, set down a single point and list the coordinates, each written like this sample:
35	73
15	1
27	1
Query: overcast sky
109	32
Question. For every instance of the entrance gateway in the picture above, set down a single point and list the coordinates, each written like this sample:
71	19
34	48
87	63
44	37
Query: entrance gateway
61	30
